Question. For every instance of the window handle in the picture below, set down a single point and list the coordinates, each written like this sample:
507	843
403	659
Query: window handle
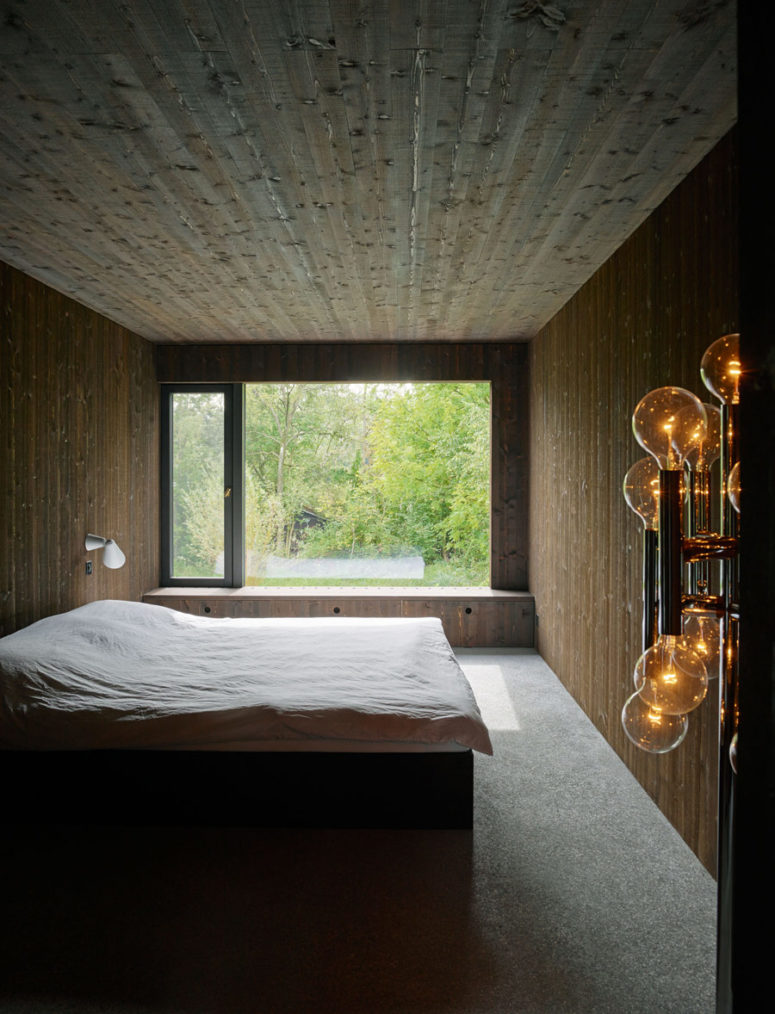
227	492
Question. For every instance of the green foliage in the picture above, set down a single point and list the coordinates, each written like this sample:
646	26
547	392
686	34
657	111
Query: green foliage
389	469
424	482
197	482
430	467
203	506
303	445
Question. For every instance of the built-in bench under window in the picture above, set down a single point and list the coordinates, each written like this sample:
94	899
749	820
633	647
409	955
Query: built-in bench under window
472	617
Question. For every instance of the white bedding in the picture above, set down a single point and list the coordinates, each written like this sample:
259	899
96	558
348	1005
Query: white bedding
131	675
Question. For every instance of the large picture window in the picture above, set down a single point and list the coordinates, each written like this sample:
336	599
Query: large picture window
328	484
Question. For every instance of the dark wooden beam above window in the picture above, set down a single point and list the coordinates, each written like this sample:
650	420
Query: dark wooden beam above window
338	362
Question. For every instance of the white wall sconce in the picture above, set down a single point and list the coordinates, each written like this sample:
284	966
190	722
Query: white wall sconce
112	557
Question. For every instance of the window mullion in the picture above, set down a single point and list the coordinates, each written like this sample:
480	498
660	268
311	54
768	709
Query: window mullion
236	457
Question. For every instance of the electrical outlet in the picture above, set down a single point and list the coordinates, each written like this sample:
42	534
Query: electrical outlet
89	566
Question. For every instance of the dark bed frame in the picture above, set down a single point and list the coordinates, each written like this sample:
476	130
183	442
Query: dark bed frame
210	788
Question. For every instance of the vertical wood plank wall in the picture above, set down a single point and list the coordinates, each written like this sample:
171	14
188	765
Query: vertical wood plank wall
78	453
643	321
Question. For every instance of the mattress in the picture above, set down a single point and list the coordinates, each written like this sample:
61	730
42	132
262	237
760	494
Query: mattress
130	675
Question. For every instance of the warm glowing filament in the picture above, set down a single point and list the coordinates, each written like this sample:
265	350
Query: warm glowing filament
669	677
655	717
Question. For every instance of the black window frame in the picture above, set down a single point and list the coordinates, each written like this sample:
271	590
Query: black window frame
234	474
233	469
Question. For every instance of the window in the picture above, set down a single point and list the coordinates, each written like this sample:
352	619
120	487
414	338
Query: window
201	457
327	484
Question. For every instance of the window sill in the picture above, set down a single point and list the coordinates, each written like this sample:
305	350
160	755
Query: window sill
333	591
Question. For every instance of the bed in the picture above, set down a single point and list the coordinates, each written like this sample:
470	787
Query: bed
130	712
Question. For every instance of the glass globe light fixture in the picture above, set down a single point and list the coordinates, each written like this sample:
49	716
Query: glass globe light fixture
703	454
733	486
720	369
669	423
641	491
702	632
651	729
670	676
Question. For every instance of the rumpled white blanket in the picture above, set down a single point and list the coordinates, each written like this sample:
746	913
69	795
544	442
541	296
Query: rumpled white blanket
116	674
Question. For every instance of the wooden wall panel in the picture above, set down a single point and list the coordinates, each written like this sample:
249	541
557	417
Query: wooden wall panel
643	321
78	453
504	365
324	170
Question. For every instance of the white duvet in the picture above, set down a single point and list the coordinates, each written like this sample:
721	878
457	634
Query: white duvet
130	675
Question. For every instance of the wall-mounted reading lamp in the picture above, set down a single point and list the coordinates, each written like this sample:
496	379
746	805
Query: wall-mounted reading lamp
112	557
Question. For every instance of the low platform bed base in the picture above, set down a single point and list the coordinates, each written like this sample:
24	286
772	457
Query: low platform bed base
208	788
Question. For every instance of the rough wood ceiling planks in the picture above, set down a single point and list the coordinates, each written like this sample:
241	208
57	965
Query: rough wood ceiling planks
323	170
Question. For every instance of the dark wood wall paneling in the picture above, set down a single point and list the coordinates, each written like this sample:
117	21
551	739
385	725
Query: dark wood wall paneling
643	321
504	365
78	453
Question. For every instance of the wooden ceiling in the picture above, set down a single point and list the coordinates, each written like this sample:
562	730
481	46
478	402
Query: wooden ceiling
336	170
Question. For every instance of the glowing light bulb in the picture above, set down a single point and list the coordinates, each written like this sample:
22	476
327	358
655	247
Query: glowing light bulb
641	491
670	676
708	448
702	632
733	486
721	369
649	728
669	423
